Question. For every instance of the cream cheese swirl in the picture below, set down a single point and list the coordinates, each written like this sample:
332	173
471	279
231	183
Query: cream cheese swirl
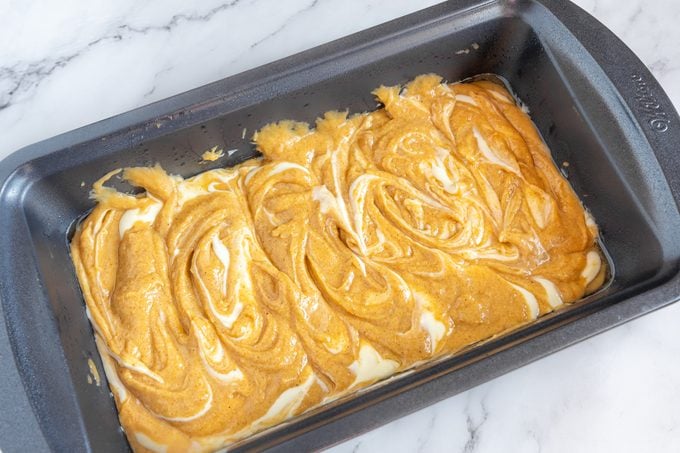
231	301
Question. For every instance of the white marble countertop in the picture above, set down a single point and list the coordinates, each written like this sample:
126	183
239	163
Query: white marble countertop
65	66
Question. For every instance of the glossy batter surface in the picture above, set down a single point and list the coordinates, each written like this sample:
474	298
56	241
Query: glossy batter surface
233	300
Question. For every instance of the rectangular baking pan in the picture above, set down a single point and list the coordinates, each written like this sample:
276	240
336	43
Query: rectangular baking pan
596	105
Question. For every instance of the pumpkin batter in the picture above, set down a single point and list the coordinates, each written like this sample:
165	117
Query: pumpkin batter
241	297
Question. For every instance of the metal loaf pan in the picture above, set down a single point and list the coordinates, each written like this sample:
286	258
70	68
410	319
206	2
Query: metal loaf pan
594	102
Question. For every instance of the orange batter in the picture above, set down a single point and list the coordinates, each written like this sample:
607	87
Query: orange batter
236	299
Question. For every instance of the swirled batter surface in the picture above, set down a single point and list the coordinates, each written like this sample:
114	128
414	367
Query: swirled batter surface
236	299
